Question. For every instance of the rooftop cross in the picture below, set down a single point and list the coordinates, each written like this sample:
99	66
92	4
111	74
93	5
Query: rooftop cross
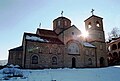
92	11
61	13
40	25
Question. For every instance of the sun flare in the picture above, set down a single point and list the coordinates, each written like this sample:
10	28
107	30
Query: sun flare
85	34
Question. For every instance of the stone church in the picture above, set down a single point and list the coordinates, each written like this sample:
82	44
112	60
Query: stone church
62	47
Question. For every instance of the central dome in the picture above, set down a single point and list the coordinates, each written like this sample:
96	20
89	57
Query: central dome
61	22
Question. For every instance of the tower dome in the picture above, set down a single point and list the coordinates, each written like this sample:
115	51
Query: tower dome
60	24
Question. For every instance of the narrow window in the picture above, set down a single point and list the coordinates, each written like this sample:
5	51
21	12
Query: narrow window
54	61
65	23
58	23
89	61
40	50
50	50
72	33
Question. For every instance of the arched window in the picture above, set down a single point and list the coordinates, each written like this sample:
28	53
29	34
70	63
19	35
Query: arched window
109	56
97	24
73	48
115	55
89	25
54	60
119	45
114	47
89	61
34	59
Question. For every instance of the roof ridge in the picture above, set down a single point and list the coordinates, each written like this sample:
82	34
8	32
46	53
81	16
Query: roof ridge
16	48
44	29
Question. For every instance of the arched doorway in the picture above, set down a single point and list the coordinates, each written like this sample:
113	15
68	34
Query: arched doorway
102	62
73	62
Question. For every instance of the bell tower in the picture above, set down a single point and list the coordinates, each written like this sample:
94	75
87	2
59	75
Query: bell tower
94	26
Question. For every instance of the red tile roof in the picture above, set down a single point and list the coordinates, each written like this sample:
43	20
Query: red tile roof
47	33
20	48
45	39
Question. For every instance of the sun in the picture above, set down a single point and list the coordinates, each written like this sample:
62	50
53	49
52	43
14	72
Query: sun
85	34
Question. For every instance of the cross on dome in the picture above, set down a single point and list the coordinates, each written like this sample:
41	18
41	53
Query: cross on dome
62	13
92	11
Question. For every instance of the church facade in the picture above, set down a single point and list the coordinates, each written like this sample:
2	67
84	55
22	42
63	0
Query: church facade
63	46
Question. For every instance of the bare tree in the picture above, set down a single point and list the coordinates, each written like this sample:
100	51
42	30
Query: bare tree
115	33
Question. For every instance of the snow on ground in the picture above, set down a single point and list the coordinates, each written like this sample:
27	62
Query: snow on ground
86	74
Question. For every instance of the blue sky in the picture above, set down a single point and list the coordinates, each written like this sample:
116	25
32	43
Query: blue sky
19	16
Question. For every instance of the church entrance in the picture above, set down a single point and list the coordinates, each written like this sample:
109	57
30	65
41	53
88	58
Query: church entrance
102	62
73	62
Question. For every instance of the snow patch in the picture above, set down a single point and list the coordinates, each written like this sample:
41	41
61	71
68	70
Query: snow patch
88	45
35	38
117	66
